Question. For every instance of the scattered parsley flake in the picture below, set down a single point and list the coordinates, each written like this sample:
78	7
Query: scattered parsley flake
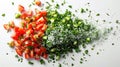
12	3
3	14
60	65
31	63
70	6
42	61
98	14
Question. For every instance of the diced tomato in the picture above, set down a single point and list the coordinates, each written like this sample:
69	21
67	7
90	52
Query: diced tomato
37	57
14	36
37	16
41	20
11	24
26	36
38	2
27	56
29	13
21	8
39	27
37	51
44	13
37	11
44	27
32	54
6	27
27	51
45	56
18	51
24	15
40	33
43	49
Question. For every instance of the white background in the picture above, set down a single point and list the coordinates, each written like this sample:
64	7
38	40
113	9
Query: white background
109	55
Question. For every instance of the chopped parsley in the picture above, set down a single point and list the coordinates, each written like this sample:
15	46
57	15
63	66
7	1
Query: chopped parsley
3	15
42	61
12	3
31	63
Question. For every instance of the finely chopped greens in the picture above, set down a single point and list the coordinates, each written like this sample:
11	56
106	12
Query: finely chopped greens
66	32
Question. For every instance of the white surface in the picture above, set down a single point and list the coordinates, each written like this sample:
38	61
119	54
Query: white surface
110	57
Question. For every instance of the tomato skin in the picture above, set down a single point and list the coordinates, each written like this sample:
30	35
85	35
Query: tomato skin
6	27
18	51
45	56
37	51
39	27
44	27
38	2
43	49
21	8
41	20
37	57
31	54
27	56
11	24
40	33
44	13
15	36
29	13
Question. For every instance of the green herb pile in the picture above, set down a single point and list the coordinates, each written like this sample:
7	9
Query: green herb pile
66	33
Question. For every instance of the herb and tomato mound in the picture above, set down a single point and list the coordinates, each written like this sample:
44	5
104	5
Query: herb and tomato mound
27	38
49	34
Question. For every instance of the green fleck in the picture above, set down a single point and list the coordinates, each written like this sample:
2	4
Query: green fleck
52	0
30	47
42	61
3	14
81	62
86	51
72	64
88	39
17	15
98	14
16	56
113	44
31	63
97	53
82	10
72	58
60	65
58	57
30	5
12	3
57	6
70	6
63	3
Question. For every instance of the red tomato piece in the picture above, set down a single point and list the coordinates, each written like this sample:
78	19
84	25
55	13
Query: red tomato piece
37	57
37	51
6	27
27	56
44	27
18	51
40	33
44	13
21	8
41	20
38	2
31	54
11	24
15	36
39	27
45	56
